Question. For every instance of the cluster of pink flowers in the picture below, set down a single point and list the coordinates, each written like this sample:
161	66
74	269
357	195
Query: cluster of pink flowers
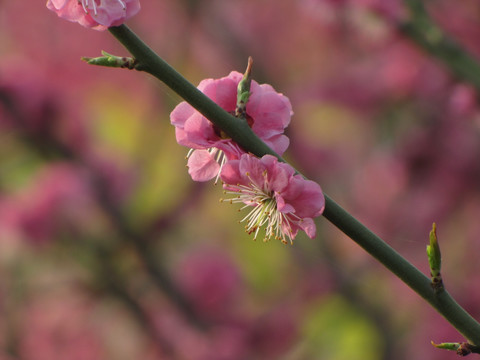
280	201
96	14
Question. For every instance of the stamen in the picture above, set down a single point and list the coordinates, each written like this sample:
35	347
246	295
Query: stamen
264	213
94	8
221	159
84	5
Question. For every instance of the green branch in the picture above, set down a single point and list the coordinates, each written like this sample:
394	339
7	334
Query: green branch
409	274
150	62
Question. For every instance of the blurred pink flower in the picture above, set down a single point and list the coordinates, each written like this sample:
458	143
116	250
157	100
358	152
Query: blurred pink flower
268	114
31	105
59	194
212	279
96	14
227	339
272	334
281	200
59	326
462	102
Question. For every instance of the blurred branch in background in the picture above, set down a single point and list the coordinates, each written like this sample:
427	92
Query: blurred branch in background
421	29
52	148
349	282
108	281
144	249
165	221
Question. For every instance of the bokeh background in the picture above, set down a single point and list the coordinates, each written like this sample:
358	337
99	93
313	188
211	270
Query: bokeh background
108	250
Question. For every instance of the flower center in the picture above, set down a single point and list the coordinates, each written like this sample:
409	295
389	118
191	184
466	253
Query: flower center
264	213
86	4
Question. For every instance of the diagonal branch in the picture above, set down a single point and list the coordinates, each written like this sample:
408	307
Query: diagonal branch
240	132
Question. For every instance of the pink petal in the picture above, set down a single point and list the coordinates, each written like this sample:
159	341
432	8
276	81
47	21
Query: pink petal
279	174
181	113
252	170
200	131
278	143
56	4
306	196
224	91
308	225
270	110
108	12
182	138
231	173
202	166
282	206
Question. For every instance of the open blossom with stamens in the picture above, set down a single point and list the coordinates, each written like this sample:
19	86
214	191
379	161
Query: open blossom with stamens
268	113
279	201
96	14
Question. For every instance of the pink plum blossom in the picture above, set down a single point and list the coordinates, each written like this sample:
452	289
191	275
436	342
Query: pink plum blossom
282	201
96	14
268	114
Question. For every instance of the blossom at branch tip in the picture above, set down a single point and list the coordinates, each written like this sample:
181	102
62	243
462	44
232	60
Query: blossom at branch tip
268	113
96	14
280	201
